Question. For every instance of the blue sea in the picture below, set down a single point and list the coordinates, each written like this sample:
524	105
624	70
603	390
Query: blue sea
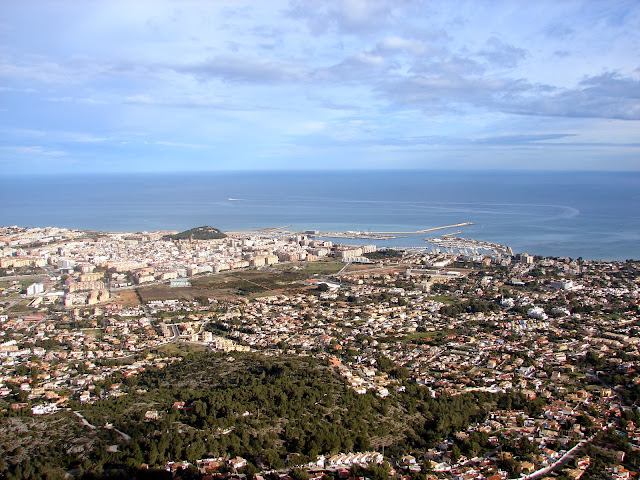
594	215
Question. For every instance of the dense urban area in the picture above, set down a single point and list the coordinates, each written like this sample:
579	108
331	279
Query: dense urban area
281	355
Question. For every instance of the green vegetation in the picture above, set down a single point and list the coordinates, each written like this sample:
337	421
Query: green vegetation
198	233
179	348
243	283
384	254
321	268
268	410
443	298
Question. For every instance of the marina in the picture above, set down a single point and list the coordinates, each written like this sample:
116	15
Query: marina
390	235
448	243
467	246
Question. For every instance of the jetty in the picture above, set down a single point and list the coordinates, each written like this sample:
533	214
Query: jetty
363	235
456	225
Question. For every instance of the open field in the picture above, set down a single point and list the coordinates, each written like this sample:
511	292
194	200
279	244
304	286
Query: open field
443	298
125	297
17	305
322	267
94	332
180	349
246	283
359	267
20	283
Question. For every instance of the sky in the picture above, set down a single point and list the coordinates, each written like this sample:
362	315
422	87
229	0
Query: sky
159	86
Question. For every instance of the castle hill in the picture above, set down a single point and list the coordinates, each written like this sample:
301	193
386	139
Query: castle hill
278	355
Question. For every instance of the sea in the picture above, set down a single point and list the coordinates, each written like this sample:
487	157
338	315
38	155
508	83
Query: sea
593	215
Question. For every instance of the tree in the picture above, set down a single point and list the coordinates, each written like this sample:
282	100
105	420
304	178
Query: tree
34	376
272	458
299	474
378	472
153	454
455	453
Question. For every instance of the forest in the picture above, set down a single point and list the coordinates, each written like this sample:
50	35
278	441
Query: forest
276	412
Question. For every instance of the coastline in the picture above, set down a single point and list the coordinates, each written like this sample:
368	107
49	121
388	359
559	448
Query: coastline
593	215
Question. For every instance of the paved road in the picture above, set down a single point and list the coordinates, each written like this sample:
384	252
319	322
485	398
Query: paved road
122	434
566	458
84	421
108	426
344	268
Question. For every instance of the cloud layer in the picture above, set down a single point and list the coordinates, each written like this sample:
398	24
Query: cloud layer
167	85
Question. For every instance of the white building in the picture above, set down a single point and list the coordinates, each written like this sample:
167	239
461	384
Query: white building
537	312
35	288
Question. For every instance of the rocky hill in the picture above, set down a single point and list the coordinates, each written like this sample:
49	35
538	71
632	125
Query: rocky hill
198	233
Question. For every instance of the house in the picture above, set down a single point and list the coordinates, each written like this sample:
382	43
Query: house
237	463
151	415
408	460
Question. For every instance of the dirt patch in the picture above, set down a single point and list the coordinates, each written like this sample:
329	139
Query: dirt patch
125	297
165	292
246	284
180	349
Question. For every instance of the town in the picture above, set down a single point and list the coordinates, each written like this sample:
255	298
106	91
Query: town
89	320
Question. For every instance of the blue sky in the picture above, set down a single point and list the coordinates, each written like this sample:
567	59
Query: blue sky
115	86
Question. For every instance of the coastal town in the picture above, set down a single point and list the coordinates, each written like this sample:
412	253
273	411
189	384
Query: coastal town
84	315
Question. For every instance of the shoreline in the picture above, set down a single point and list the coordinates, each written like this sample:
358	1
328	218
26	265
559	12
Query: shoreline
412	241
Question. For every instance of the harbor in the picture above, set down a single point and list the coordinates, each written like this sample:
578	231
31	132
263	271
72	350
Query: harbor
448	242
389	235
467	246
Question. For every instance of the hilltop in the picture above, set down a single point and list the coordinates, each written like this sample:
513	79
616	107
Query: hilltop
198	233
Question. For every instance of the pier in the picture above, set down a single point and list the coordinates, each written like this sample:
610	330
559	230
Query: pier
389	235
349	234
425	230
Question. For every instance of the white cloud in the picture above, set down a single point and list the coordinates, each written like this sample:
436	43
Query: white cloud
246	70
181	144
249	75
84	100
34	150
394	43
308	127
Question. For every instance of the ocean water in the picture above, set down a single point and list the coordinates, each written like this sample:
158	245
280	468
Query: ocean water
594	215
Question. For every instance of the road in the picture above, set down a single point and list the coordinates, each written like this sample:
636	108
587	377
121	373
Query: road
176	331
563	460
107	426
347	265
12	302
84	421
122	434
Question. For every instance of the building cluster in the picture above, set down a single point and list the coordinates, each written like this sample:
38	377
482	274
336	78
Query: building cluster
95	264
546	328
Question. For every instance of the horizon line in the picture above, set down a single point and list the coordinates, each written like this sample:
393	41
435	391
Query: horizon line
313	171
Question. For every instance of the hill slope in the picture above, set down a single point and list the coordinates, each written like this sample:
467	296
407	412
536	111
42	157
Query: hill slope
198	233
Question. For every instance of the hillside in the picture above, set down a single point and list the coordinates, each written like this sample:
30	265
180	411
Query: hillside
274	412
198	233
